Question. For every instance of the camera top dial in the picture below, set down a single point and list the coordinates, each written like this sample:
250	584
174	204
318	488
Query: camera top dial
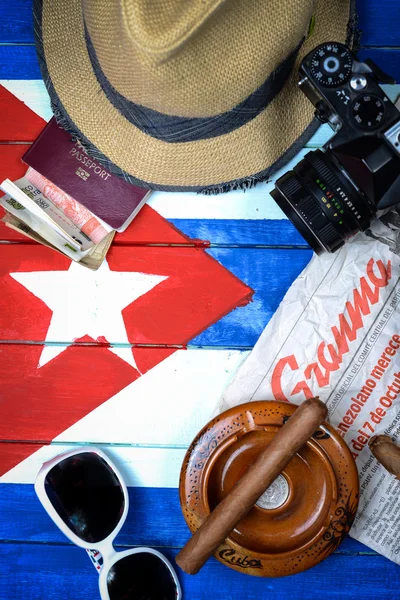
368	111
331	64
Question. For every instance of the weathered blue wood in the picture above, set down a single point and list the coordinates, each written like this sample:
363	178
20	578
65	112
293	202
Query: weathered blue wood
16	24
39	572
154	519
18	62
379	22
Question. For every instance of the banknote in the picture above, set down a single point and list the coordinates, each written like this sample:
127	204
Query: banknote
87	222
98	253
92	259
40	228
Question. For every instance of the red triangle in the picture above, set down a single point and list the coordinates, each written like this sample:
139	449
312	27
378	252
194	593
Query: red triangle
18	123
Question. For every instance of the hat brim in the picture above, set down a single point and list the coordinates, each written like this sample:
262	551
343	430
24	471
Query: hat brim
240	158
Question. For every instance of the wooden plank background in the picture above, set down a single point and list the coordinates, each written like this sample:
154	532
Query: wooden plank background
145	425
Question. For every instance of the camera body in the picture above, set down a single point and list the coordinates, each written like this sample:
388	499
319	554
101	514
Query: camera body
332	194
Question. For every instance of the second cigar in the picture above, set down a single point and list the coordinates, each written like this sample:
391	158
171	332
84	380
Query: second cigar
265	469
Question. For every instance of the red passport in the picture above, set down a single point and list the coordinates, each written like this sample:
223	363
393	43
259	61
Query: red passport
56	156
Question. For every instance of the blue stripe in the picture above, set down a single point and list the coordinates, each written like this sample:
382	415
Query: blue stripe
32	572
379	22
37	562
270	273
16	23
19	62
24	519
274	233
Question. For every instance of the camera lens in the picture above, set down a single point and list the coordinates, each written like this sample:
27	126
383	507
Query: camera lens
322	203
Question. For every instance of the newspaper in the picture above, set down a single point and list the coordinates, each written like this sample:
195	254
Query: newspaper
336	335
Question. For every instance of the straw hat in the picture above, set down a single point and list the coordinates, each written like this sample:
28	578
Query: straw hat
185	94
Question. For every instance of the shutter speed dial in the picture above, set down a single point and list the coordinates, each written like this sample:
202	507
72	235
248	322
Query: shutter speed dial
367	111
331	65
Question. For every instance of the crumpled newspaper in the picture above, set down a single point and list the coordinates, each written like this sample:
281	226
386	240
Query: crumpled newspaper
336	335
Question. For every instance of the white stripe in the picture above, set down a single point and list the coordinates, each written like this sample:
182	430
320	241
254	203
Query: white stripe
140	467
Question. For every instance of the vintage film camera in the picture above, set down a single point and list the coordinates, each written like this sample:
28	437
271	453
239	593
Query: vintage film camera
332	194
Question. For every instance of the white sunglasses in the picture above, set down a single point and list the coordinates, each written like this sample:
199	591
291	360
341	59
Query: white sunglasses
85	495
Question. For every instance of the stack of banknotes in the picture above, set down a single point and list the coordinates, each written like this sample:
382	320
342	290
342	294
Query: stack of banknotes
37	208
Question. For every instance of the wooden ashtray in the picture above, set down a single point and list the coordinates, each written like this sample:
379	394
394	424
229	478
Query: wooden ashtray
304	514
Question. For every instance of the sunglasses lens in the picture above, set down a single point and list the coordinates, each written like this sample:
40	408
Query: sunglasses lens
141	576
87	495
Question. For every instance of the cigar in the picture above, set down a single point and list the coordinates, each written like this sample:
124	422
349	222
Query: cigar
265	469
386	451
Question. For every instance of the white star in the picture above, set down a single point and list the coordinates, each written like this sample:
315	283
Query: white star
87	302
